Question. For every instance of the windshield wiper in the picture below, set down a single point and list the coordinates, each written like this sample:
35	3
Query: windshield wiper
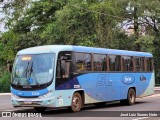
31	70
28	72
25	73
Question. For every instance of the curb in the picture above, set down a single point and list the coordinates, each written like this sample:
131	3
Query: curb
1	94
157	88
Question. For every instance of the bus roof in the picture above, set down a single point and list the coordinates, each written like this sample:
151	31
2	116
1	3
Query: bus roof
45	49
110	51
57	48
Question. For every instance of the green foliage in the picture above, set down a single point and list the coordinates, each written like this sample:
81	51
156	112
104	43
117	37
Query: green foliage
146	43
9	45
5	81
104	18
122	41
72	26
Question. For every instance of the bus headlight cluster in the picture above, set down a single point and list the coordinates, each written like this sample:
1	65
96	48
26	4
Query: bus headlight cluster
46	95
13	95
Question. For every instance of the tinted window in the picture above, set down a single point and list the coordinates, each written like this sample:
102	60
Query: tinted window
149	64
139	64
127	63
83	62
114	62
64	64
99	62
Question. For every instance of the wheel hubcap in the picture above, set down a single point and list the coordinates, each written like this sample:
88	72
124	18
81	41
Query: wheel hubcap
76	103
131	97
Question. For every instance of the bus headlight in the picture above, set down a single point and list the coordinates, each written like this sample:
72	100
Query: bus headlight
46	95
13	95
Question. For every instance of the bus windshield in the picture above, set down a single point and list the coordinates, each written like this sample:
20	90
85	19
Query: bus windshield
35	69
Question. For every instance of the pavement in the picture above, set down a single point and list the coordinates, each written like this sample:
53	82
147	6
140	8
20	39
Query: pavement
157	88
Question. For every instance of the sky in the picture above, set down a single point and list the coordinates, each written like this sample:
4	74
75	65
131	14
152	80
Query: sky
2	26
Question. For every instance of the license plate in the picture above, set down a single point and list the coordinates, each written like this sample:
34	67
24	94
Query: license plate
27	102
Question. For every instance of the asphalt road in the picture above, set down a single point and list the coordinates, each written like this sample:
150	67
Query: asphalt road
151	104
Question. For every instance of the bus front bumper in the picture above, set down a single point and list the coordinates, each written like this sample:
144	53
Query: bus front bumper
33	102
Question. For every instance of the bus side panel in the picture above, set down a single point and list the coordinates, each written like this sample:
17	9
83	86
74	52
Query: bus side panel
114	86
150	88
64	97
100	87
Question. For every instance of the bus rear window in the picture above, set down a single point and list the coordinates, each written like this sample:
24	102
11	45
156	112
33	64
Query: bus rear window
149	66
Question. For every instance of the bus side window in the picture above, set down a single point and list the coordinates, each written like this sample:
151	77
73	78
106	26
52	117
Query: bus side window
139	64
83	62
149	62
127	63
58	70
142	67
80	62
114	62
99	62
64	64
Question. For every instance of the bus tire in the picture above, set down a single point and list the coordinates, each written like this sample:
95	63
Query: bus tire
131	97
40	109
76	103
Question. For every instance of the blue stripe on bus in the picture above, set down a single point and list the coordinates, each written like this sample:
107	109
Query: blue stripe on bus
29	93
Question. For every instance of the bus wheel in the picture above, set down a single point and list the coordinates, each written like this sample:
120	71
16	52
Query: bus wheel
76	104
131	97
40	109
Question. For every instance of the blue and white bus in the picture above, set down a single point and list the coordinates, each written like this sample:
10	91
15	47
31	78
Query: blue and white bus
54	76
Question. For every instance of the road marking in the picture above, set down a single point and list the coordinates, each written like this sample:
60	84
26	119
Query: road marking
9	110
140	118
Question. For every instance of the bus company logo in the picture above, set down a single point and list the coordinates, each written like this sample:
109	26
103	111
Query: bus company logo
103	80
143	78
30	80
128	79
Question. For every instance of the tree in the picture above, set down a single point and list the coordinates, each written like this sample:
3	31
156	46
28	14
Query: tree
104	25
73	25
